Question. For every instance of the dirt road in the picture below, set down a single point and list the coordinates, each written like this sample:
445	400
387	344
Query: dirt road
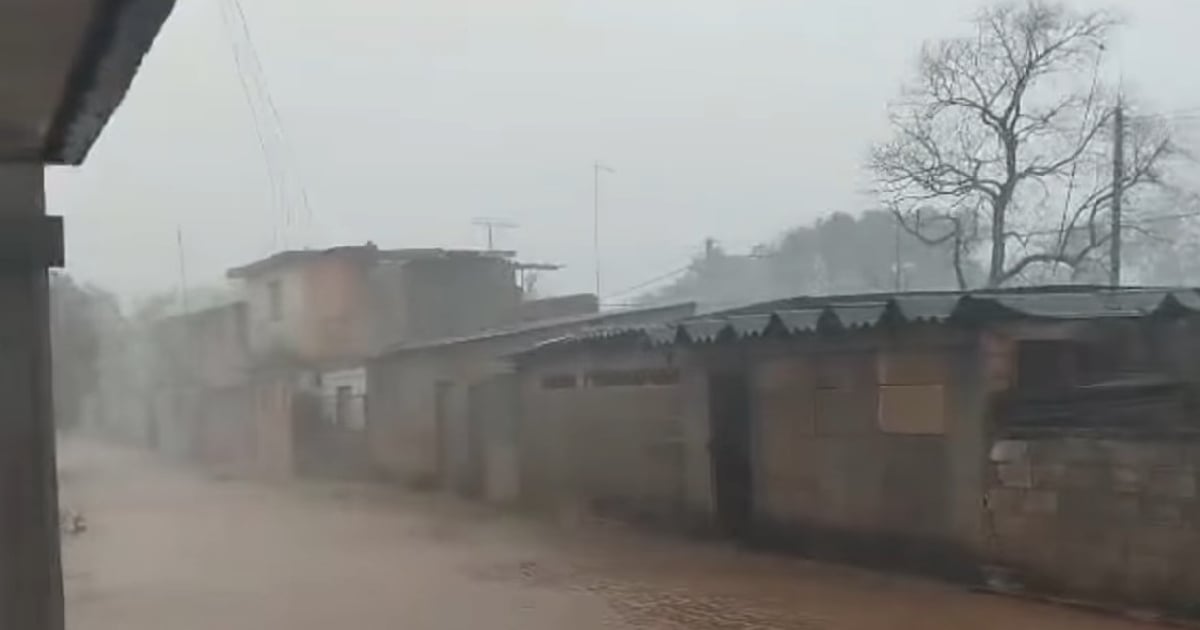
170	548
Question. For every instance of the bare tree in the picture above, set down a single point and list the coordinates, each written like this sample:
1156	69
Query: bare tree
1002	144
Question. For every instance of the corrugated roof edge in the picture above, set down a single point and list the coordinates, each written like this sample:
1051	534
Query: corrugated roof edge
120	34
857	312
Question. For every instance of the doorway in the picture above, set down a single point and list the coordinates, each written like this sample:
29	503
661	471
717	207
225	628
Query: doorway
441	432
477	407
729	415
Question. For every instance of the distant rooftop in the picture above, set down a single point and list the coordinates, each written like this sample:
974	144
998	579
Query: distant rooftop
368	253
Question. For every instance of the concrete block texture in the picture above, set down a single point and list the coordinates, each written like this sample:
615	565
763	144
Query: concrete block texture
1009	451
1040	502
1100	518
1128	479
1172	481
1015	475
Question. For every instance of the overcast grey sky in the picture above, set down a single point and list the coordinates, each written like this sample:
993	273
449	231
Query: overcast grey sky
725	118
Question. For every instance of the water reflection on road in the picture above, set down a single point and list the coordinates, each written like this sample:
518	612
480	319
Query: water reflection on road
169	548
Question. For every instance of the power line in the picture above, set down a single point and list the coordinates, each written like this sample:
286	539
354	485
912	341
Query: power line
270	102
255	115
652	281
268	125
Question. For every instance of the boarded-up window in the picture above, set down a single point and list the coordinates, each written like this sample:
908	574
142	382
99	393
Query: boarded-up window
912	409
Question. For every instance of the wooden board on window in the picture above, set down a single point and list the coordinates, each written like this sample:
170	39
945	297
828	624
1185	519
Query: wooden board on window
912	409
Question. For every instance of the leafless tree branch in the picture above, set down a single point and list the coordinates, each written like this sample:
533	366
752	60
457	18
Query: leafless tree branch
1000	137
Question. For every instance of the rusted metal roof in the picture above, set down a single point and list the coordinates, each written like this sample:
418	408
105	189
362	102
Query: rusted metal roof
812	315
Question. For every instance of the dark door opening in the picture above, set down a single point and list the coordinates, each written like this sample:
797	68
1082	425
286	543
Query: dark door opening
472	482
441	437
729	414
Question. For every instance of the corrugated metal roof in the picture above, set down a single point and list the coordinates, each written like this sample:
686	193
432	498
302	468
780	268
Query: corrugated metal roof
662	335
750	325
858	315
1188	300
926	308
119	36
815	314
800	321
704	330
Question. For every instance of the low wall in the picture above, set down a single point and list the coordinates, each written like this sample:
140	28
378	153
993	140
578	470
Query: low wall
1107	519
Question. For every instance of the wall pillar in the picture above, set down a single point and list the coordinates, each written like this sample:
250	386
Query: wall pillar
30	569
969	443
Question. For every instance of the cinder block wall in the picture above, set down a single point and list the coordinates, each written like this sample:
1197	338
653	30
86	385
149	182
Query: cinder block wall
622	450
853	457
1102	518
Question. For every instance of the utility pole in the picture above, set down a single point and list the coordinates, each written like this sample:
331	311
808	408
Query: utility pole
183	285
1118	192
897	265
597	167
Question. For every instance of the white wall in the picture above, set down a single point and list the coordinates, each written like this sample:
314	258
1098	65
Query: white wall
269	335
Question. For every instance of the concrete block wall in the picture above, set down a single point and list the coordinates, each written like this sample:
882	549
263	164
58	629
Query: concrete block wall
1112	520
401	432
624	449
826	454
619	449
853	456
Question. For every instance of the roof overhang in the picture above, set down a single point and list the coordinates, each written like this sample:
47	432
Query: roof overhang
66	65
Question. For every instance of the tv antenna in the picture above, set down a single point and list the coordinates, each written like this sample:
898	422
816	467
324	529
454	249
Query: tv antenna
491	225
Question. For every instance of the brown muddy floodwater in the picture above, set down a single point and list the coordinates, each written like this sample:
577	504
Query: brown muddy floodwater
172	549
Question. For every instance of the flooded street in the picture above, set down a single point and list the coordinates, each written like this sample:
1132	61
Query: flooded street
169	548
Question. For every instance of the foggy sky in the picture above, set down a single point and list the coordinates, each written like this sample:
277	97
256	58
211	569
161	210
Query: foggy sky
725	118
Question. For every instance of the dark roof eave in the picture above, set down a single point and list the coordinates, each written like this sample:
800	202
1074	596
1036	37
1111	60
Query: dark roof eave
118	37
861	312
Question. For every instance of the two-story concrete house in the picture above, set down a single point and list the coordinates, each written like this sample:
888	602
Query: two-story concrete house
313	316
325	307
